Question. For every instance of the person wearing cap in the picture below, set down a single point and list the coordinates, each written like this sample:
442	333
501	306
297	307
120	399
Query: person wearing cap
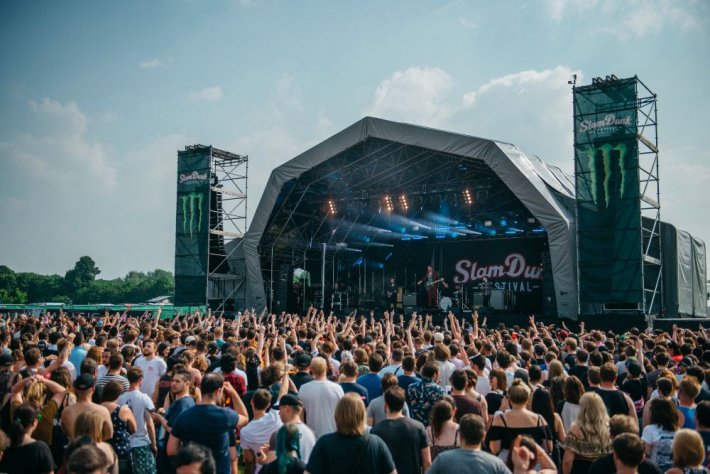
290	409
84	388
153	368
302	362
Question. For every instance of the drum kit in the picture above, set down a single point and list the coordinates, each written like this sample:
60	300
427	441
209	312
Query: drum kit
458	299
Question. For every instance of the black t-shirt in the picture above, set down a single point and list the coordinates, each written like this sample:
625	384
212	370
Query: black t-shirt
296	467
605	465
33	458
299	378
580	371
349	455
405	439
614	401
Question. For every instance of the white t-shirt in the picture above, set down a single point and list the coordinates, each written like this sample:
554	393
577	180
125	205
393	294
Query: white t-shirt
101	371
483	385
319	400
152	369
140	404
257	432
662	445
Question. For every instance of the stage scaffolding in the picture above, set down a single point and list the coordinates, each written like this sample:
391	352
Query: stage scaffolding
213	257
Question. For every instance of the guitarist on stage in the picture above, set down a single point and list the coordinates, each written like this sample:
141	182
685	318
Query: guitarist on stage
431	282
391	294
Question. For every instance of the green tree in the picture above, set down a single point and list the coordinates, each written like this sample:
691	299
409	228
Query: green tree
15	296
83	273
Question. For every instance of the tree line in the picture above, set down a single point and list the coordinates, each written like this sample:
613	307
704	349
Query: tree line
79	285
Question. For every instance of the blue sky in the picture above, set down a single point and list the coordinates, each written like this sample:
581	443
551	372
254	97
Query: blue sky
97	97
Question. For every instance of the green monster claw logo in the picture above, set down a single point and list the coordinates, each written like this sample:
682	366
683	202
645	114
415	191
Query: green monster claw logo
189	201
606	162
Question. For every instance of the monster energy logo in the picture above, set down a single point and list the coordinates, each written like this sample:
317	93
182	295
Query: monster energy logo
607	167
189	201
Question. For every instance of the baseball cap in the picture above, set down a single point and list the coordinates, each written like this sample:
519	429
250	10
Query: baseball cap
190	339
6	360
84	382
291	400
302	360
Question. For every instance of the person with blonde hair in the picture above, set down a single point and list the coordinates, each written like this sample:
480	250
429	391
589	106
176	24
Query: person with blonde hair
688	453
350	449
517	421
588	438
89	424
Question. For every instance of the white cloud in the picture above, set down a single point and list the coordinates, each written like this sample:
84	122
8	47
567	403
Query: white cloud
286	97
64	152
630	19
532	109
466	22
208	94
154	63
416	95
67	114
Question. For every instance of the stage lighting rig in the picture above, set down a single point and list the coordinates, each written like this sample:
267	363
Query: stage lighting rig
389	206
468	197
404	204
331	207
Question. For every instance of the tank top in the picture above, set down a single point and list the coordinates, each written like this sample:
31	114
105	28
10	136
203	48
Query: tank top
437	449
614	401
120	441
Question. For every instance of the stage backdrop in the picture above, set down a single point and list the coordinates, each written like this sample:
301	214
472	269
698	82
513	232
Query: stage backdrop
513	265
192	227
608	199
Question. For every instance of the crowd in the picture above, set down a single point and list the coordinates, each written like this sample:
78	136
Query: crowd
264	393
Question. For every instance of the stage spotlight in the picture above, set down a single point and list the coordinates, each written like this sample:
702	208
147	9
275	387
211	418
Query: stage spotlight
404	204
468	197
388	204
331	207
488	223
531	220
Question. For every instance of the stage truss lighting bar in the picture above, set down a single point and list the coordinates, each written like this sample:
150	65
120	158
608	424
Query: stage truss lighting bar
389	206
467	196
331	207
404	204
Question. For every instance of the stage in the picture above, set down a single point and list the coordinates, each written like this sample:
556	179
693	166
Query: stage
386	214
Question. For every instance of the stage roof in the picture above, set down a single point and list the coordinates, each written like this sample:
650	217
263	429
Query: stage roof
374	157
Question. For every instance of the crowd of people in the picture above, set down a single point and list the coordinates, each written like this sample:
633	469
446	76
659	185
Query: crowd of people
265	393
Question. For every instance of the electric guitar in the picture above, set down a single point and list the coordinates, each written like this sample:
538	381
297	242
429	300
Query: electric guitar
429	285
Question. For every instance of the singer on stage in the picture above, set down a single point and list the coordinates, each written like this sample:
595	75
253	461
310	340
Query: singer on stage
431	282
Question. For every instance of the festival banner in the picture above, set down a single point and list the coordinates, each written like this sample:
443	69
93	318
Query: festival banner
607	193
192	227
